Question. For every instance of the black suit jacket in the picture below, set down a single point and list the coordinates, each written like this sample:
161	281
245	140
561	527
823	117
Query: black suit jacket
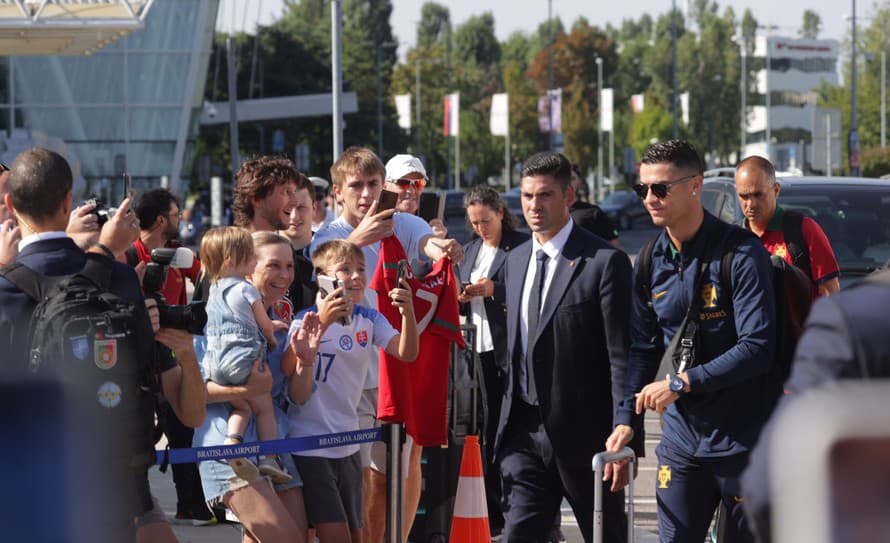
496	305
580	350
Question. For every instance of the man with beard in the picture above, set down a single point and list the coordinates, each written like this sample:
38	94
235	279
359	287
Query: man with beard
265	194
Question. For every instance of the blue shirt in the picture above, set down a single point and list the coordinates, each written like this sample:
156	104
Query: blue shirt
736	386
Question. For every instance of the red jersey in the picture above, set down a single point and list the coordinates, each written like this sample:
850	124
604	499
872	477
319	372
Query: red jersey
822	262
416	393
174	290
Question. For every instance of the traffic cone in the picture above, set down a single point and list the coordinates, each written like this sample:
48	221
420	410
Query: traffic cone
470	523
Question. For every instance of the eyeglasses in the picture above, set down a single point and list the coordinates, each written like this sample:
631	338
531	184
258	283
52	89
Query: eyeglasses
405	182
659	189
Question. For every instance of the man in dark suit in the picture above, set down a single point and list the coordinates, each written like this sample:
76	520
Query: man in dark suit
590	216
567	336
845	338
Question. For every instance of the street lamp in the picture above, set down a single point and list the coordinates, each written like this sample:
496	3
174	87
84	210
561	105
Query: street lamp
550	71
853	137
380	98
676	131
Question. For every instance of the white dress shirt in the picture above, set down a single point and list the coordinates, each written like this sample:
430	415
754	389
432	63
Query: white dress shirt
481	268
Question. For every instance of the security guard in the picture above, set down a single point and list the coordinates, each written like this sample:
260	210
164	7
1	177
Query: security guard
713	410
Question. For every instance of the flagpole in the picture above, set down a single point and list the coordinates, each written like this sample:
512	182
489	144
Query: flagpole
507	172
457	160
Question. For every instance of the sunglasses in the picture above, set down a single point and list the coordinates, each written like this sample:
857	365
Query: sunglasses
405	182
659	189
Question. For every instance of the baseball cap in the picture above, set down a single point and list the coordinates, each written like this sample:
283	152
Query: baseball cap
401	165
321	187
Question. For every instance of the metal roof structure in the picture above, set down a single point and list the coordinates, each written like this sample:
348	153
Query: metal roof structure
66	27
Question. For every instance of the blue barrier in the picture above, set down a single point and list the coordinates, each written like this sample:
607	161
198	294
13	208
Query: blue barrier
222	452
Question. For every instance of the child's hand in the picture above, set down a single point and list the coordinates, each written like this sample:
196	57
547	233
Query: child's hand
401	297
307	339
280	326
333	307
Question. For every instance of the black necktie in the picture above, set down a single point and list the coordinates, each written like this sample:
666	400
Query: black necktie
534	311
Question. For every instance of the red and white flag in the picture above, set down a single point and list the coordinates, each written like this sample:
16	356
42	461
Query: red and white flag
637	102
451	119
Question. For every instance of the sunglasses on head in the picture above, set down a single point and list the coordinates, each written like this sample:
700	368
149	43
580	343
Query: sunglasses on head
405	182
659	189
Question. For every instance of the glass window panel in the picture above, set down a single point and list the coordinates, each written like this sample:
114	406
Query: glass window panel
77	124
154	123
169	25
69	80
157	78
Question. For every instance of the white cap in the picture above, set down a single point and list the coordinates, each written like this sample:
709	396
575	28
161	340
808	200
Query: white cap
320	182
401	165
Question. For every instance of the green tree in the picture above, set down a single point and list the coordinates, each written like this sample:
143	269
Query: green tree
435	25
811	26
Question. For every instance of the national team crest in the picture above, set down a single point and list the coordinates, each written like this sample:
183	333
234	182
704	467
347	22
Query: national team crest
283	311
80	347
109	395
664	476
105	353
709	295
362	337
781	251
346	342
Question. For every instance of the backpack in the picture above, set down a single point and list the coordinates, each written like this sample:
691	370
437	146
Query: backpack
792	231
792	290
88	339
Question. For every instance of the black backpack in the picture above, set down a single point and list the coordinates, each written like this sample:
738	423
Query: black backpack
791	289
88	339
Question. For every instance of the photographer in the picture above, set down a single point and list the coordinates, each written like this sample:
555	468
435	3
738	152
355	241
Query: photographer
159	215
102	495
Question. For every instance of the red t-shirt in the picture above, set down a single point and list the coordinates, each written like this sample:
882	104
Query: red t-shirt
416	393
174	290
823	265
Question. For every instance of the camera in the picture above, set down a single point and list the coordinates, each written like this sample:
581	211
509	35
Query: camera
190	317
102	212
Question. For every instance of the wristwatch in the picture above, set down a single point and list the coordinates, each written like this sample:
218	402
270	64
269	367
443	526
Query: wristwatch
677	385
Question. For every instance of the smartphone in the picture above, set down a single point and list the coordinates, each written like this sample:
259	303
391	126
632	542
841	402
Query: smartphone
128	185
402	272
428	208
327	285
347	320
388	200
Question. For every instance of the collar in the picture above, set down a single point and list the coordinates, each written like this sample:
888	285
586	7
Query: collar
554	246
40	236
775	224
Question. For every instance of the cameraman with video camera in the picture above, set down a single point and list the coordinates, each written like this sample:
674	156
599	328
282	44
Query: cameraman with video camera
158	213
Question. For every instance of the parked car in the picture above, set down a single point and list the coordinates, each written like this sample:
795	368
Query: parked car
625	208
853	212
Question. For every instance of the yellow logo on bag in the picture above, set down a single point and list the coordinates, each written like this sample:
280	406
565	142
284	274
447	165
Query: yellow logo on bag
664	476
709	295
781	251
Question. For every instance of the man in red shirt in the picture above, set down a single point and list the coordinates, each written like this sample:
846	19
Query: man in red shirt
758	191
158	213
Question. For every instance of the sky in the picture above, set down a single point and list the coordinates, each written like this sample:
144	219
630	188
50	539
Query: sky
785	14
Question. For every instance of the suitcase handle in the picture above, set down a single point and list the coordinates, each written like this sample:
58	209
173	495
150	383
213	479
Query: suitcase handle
600	460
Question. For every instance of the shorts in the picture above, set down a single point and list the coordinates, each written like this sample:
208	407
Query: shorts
332	489
373	454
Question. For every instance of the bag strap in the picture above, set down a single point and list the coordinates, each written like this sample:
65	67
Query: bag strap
792	230
733	239
32	283
644	270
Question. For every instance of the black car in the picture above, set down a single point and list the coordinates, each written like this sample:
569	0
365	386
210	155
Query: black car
625	209
853	212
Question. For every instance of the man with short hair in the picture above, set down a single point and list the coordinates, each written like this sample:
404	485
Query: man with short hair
567	338
40	199
358	179
591	216
715	404
406	176
322	214
300	228
791	235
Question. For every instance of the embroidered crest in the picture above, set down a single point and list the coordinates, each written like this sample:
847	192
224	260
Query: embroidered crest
105	353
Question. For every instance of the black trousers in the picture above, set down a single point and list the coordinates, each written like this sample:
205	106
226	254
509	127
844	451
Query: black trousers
535	482
493	386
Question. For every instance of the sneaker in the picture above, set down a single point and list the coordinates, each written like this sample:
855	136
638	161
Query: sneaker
270	467
244	469
200	516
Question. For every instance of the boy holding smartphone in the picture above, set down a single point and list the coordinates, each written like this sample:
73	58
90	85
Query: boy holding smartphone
340	360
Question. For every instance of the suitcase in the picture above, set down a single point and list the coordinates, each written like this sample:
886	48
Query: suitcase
600	460
440	466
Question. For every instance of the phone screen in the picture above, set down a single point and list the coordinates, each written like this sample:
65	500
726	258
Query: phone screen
128	185
428	208
388	200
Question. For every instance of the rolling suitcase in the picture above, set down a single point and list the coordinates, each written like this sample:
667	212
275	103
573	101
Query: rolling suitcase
600	460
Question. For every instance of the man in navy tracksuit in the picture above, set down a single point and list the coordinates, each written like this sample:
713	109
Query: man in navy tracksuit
714	410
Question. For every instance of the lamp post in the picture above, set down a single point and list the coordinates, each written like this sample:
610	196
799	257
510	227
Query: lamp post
853	137
599	146
380	98
550	72
676	131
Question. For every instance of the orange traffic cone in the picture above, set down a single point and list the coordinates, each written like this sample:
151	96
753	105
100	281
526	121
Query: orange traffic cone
470	523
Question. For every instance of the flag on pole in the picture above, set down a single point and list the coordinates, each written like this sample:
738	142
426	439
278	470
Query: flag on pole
403	108
684	107
554	124
606	110
500	114
637	102
451	119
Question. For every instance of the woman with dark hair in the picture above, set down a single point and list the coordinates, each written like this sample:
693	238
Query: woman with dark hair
484	297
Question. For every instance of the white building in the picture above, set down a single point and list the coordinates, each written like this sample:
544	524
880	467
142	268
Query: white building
782	104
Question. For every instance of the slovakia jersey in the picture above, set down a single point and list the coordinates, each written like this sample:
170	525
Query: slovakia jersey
416	393
340	368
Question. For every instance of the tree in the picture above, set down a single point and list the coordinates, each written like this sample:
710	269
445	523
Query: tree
435	25
811	25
